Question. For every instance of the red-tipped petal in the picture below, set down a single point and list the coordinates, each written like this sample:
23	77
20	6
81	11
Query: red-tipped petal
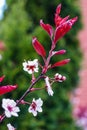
47	27
58	9
63	29
7	88
38	47
2	78
60	63
60	52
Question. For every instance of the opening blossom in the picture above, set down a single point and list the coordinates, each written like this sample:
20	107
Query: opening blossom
48	87
31	66
59	77
10	107
35	106
10	127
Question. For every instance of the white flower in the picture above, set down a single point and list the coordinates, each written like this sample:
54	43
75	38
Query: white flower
35	106
48	86
10	127
31	66
10	107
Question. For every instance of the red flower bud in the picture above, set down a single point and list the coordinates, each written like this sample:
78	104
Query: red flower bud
47	28
7	88
38	47
63	29
2	78
60	63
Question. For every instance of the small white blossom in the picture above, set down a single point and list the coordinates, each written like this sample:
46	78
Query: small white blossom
10	107
10	127
35	106
48	86
31	66
59	77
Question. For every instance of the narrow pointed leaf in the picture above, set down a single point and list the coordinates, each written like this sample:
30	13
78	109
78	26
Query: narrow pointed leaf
38	47
60	52
60	63
7	88
47	27
58	9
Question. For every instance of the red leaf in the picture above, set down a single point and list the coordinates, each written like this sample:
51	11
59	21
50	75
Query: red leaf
58	9
7	88
38	47
2	78
58	19
63	29
47	28
60	52
60	63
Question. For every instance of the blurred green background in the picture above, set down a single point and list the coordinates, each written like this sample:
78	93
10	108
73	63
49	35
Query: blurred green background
20	23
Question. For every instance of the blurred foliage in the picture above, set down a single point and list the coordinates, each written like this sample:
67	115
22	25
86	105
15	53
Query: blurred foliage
16	30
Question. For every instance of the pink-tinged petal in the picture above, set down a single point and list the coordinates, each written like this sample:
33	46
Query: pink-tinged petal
60	52
38	47
47	27
58	9
63	29
60	63
2	78
7	88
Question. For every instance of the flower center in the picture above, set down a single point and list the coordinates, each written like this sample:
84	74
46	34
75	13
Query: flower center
33	105
10	108
30	67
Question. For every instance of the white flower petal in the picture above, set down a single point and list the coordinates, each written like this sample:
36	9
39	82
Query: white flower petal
39	102
14	114
7	114
39	109
34	113
10	127
49	89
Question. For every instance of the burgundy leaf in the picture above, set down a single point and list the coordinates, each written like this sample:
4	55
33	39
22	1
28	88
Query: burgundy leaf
60	52
38	47
60	63
47	28
7	88
63	29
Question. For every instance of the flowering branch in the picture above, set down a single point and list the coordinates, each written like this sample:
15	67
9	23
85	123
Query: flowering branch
11	108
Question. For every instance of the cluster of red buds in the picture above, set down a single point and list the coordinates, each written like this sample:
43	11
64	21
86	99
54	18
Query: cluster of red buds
62	26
